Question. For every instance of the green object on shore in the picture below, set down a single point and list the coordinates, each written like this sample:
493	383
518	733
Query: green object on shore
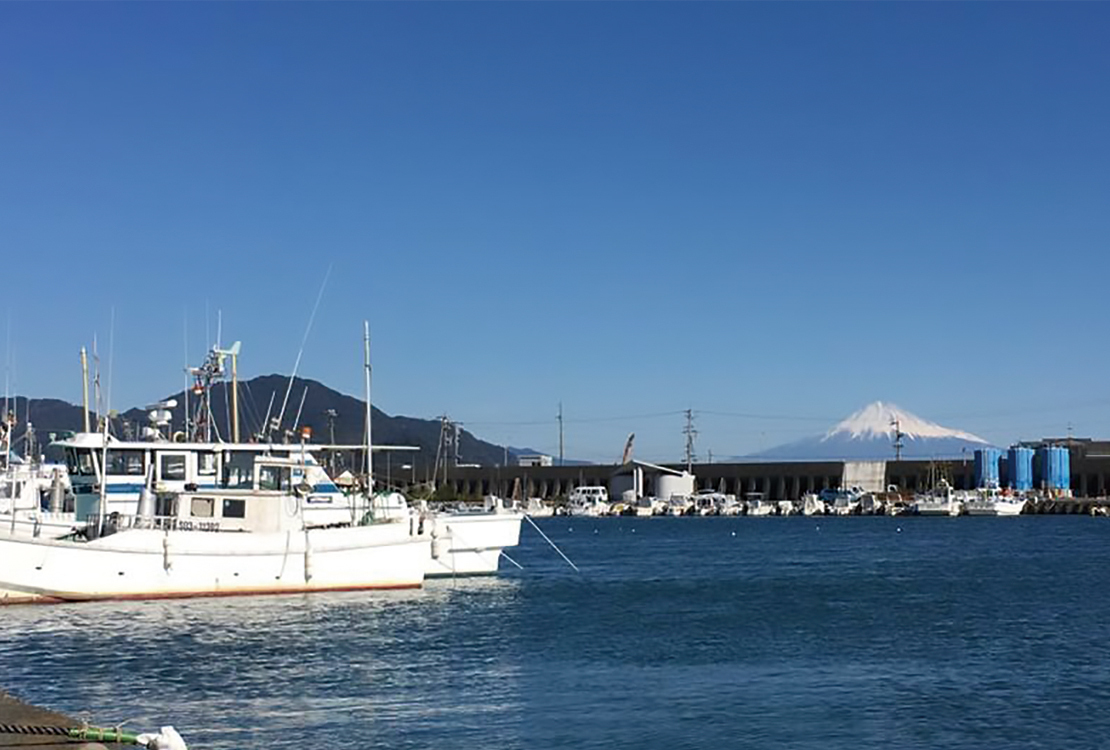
85	734
99	734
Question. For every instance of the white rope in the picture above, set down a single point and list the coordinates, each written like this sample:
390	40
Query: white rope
553	545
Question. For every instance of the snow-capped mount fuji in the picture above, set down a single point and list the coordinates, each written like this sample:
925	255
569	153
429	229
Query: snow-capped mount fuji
869	434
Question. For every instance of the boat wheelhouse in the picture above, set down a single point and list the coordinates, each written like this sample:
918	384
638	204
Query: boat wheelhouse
129	467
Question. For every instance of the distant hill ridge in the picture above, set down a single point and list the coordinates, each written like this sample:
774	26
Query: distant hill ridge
50	415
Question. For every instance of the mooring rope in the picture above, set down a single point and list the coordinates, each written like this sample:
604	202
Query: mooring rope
84	734
547	539
35	730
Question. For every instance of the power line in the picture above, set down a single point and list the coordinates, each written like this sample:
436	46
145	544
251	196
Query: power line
782	417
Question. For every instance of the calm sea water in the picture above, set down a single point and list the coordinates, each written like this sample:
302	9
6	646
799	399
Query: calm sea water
677	633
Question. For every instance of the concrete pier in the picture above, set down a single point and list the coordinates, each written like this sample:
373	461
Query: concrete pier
15	711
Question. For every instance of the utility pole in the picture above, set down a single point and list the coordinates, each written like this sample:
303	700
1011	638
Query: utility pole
690	434
898	435
560	433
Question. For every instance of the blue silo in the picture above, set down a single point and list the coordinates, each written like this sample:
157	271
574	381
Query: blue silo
986	467
1019	466
1052	468
1063	465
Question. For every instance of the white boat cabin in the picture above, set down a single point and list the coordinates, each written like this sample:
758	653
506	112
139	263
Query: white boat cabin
165	467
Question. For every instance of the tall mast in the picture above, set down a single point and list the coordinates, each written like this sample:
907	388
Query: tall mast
369	437
188	378
235	395
85	387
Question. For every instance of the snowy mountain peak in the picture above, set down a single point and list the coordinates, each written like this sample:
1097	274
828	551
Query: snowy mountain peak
877	421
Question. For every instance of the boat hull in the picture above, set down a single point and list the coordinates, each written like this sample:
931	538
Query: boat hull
151	564
471	543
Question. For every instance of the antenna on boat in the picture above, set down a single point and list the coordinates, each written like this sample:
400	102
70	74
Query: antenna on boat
101	508
9	423
265	430
304	340
297	419
96	381
188	378
369	434
85	387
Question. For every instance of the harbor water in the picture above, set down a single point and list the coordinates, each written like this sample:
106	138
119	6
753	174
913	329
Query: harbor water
677	633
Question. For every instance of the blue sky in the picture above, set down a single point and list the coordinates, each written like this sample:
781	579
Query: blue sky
777	209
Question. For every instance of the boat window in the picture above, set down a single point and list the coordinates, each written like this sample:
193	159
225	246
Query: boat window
202	507
238	471
128	462
235	509
165	505
80	462
173	467
206	464
273	478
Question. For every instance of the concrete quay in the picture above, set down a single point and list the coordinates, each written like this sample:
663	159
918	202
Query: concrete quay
15	712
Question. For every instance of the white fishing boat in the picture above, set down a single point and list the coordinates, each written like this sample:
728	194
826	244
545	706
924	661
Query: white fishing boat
787	508
537	508
992	501
708	502
677	505
812	505
842	502
943	500
649	505
871	505
213	542
28	487
31	493
730	506
757	506
590	501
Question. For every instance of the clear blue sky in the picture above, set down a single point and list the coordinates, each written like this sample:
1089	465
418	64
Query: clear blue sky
779	209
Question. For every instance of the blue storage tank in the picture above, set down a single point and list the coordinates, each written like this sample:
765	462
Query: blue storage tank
1052	468
1019	468
986	467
